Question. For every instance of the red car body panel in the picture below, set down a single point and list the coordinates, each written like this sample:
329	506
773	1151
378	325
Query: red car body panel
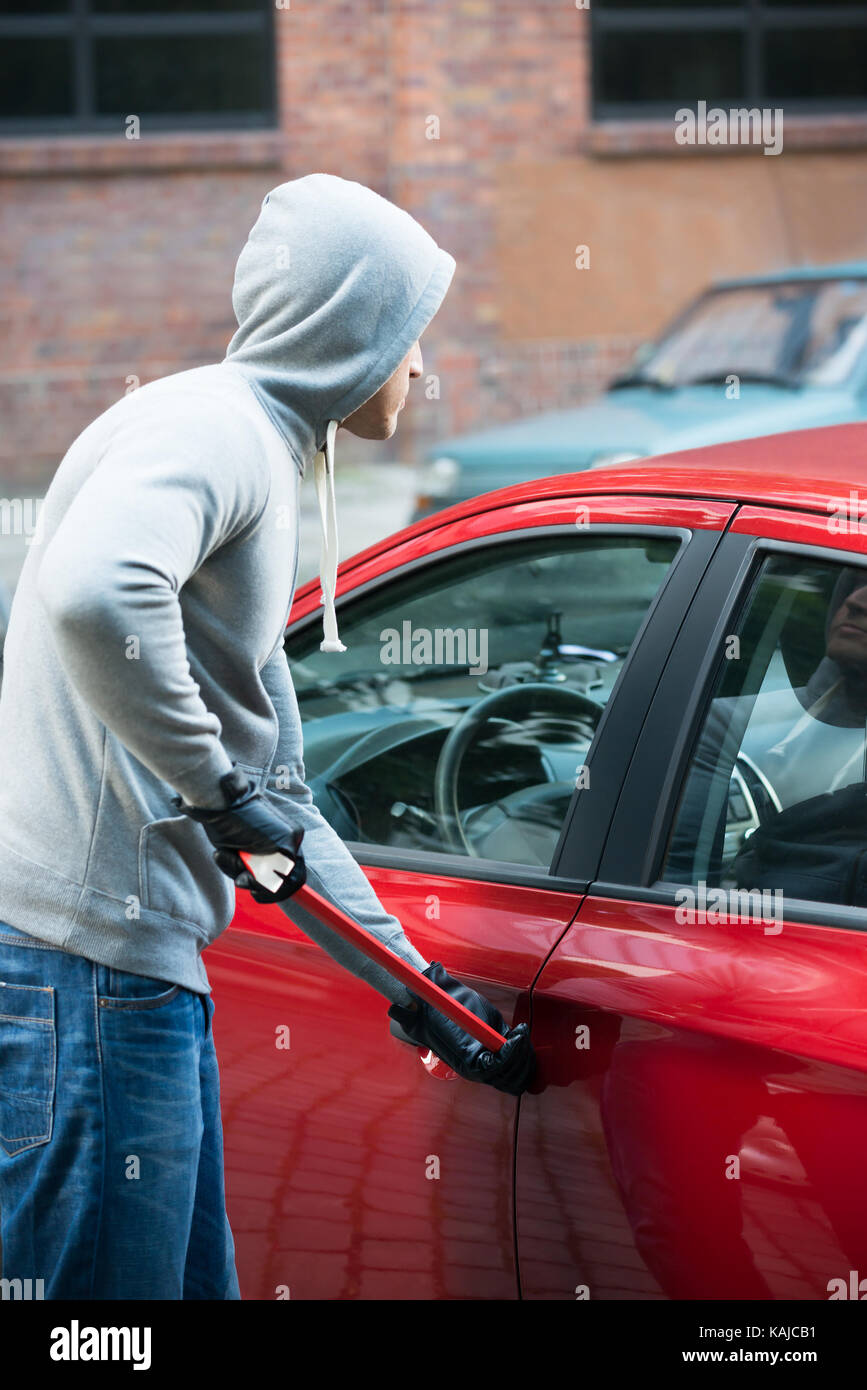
353	1171
557	509
716	1042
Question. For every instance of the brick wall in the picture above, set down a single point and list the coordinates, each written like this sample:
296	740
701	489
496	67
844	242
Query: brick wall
116	256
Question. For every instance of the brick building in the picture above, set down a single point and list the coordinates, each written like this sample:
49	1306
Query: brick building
515	132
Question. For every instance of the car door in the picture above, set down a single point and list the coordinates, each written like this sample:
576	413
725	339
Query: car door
353	1169
701	1131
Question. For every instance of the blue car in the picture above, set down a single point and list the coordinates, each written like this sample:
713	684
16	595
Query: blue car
754	356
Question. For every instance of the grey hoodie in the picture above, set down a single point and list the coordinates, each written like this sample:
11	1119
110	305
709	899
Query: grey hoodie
144	649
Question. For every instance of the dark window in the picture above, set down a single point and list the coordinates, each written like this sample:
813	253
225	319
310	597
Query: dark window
35	78
461	716
88	65
775	799
654	57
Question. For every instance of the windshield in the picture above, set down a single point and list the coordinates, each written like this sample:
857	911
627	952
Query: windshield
798	333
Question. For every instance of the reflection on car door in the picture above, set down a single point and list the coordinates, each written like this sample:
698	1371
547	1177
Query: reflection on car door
702	1133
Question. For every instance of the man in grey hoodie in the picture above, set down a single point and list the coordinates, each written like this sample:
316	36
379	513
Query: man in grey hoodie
149	726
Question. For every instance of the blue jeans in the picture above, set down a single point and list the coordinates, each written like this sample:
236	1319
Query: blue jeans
111	1142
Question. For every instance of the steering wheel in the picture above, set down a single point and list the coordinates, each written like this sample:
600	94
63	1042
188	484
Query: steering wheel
752	801
513	702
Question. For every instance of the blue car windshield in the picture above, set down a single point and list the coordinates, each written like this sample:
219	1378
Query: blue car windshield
795	333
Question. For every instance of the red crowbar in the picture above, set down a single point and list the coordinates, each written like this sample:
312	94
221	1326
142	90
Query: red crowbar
268	869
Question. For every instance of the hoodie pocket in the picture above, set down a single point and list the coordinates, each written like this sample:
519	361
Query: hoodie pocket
177	873
178	876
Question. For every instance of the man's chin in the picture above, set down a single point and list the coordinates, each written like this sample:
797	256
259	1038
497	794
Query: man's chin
383	429
387	428
851	657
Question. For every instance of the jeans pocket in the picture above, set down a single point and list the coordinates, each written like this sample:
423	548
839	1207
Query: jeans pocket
28	1066
124	990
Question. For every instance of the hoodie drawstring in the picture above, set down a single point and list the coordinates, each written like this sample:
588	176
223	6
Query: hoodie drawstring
323	465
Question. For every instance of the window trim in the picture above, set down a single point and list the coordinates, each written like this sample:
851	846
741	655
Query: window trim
801	911
629	873
82	27
583	833
752	18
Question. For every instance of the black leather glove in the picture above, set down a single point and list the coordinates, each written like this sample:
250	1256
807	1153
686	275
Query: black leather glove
249	823
232	864
511	1069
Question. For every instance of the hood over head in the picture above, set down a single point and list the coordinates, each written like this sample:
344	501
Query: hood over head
332	288
827	679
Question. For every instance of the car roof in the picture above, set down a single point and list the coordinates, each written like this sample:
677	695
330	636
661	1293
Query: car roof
803	469
807	470
856	270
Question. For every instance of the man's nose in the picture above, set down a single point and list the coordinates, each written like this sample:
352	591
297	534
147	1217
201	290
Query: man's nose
415	363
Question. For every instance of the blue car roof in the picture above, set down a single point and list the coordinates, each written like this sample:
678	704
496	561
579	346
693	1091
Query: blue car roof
846	270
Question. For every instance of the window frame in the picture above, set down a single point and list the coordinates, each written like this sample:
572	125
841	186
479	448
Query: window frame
575	857
639	835
83	27
753	18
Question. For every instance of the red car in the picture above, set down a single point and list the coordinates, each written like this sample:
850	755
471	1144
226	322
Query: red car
598	742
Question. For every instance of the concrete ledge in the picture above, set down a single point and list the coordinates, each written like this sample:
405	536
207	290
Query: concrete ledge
829	132
114	154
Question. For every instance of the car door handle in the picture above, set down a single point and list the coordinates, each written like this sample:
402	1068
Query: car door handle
433	1065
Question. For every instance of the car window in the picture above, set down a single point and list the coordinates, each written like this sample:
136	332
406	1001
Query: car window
461	714
806	333
774	803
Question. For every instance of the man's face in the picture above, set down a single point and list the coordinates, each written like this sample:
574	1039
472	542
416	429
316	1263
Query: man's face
847	636
377	418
